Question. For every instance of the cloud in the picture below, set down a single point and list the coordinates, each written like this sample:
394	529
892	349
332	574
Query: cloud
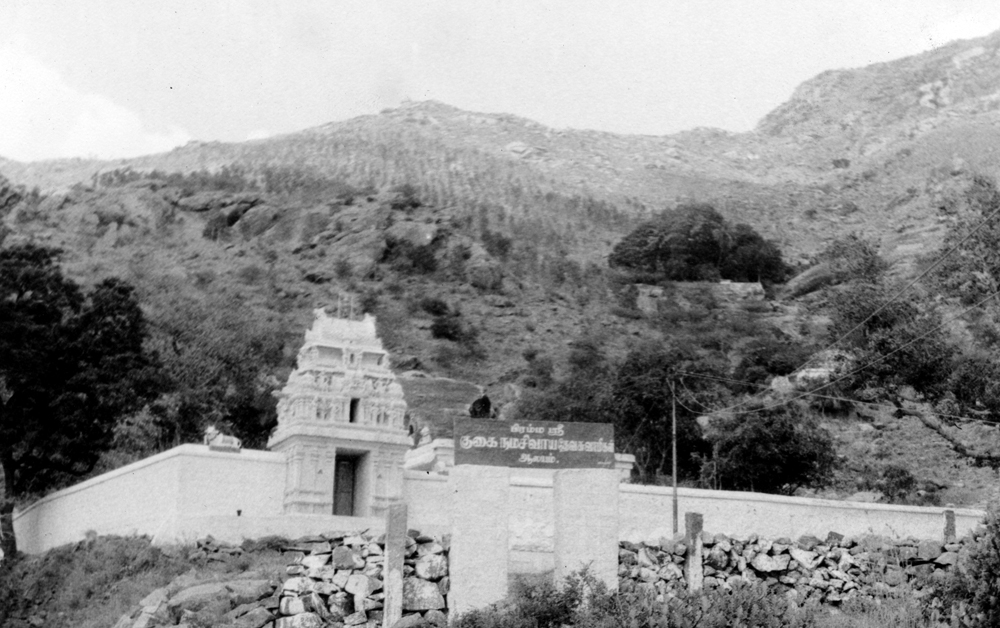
43	117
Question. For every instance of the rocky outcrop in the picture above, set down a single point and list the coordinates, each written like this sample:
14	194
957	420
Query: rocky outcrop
10	195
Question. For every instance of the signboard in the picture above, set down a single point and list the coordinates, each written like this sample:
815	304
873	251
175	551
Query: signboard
535	444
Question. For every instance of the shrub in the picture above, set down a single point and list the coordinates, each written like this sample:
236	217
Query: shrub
496	244
434	306
975	590
584	602
369	301
902	343
406	257
766	357
216	227
854	258
447	327
342	269
405	197
975	383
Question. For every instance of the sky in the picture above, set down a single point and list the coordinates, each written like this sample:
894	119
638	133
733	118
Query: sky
120	78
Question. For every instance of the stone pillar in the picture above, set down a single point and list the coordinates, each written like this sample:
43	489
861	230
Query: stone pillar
479	547
395	552
693	567
949	526
586	523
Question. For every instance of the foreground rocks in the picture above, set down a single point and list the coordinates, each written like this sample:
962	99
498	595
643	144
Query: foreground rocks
331	580
829	571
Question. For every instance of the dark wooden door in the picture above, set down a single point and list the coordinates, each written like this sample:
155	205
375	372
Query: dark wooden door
343	486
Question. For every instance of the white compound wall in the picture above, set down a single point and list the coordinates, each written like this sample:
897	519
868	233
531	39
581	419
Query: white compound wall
188	492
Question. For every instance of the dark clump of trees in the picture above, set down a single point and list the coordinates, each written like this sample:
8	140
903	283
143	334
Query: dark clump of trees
71	363
695	243
771	449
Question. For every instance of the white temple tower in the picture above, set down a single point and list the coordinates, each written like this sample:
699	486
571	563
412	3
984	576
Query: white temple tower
340	423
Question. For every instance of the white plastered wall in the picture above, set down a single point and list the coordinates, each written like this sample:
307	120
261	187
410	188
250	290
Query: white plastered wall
190	491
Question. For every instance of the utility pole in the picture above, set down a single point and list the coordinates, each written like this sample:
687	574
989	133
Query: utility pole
673	445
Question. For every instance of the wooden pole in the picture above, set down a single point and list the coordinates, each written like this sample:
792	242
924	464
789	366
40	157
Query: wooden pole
673	445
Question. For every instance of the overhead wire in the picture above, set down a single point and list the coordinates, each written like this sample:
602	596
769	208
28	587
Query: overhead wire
883	406
857	370
912	283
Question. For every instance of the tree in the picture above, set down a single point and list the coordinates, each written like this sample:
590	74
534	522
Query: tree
641	399
221	358
770	450
972	271
901	344
695	243
583	395
70	365
854	258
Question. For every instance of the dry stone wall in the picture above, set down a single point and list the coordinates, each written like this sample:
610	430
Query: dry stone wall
332	580
830	571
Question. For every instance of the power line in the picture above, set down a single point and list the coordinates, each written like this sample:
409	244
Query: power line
831	397
926	272
869	364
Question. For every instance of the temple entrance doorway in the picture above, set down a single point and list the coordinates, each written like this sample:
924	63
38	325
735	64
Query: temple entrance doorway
345	484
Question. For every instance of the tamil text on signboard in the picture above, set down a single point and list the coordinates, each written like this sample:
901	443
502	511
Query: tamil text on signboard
537	444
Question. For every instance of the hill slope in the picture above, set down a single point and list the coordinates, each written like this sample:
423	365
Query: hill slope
507	223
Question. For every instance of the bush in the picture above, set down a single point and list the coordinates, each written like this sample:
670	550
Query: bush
770	450
584	602
975	590
72	578
447	327
902	343
764	358
405	197
406	257
854	258
975	383
434	306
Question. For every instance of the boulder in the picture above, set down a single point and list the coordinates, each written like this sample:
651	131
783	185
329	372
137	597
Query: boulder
646	558
302	620
717	559
315	561
157	597
765	563
292	606
929	550
421	595
806	558
255	618
436	618
947	559
247	591
410	621
198	597
432	567
345	558
296	586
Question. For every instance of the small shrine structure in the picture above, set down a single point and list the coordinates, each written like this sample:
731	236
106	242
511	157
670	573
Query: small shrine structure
341	423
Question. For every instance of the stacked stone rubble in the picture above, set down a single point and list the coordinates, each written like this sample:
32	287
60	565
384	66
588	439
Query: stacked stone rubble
333	580
828	571
337	580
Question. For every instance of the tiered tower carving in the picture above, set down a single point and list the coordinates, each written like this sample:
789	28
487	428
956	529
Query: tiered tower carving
341	422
